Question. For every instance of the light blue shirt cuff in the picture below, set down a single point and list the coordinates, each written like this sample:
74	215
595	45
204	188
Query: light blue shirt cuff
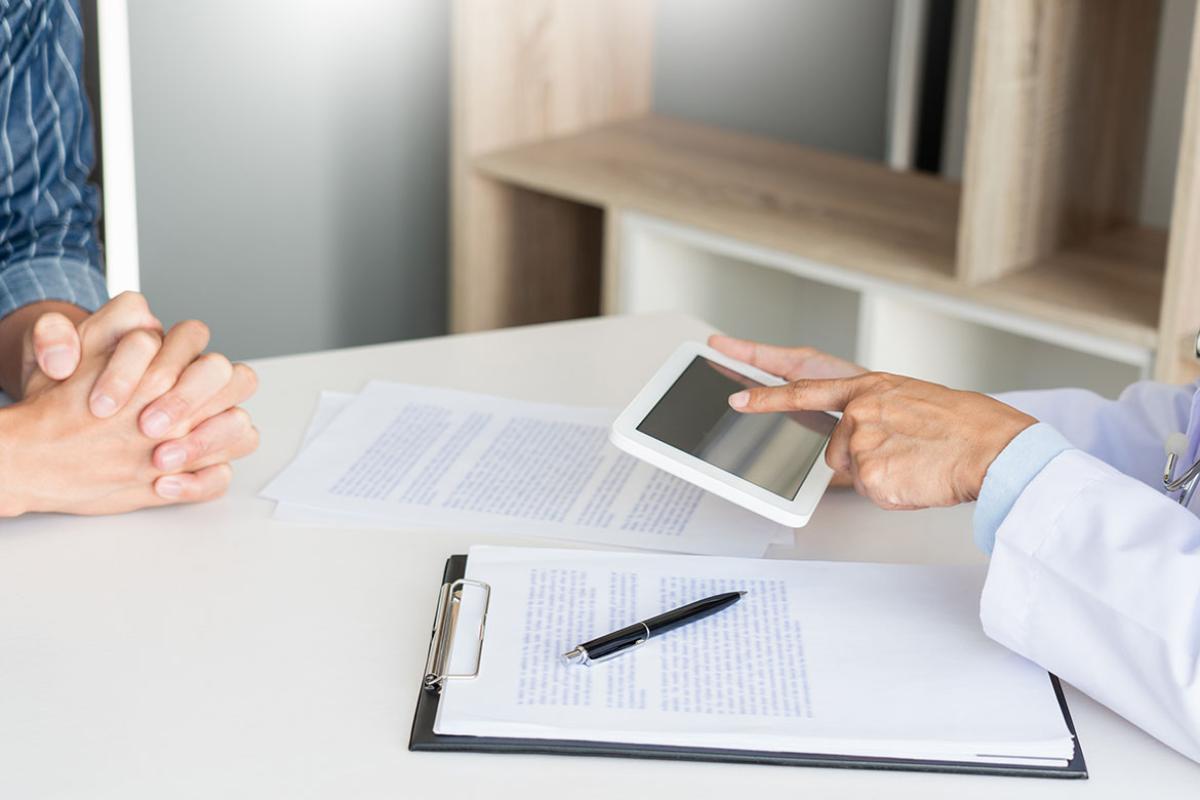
1017	465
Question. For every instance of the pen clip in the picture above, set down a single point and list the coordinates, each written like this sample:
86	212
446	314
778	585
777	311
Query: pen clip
633	646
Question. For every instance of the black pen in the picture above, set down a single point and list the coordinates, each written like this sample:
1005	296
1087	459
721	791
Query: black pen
614	644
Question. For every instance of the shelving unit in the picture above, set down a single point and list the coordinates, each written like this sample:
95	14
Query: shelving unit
841	210
1034	262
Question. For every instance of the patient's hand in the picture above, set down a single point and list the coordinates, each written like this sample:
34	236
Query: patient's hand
172	440
43	341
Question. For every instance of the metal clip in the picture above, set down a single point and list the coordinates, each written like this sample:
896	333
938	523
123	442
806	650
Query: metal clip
445	623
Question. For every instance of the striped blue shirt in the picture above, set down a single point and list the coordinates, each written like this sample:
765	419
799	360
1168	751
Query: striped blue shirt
49	248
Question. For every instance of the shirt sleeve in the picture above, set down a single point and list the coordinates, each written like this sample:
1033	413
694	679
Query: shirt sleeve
49	247
1017	465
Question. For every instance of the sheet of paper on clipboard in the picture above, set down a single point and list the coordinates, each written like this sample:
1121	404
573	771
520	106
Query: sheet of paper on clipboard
859	660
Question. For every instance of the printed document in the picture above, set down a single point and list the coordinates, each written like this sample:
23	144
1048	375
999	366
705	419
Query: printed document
834	658
400	455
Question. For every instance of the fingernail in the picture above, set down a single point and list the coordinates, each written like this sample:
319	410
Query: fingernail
739	400
60	361
103	405
155	424
169	487
171	456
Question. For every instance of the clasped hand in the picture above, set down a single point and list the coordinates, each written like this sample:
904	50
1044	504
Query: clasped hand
901	442
142	418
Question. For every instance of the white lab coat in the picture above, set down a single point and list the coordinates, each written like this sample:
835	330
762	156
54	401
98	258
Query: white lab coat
1095	573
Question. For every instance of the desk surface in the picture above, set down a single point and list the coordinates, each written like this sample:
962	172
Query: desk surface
212	652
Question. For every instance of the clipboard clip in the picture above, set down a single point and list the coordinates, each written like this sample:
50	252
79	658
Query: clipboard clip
445	623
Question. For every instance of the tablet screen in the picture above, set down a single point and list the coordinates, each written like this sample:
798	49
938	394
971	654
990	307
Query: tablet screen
773	451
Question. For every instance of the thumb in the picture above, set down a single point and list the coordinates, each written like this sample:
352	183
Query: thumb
55	344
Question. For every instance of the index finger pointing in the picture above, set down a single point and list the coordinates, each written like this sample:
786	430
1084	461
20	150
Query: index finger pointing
808	395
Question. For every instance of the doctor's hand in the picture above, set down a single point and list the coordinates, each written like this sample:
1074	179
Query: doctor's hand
790	363
905	443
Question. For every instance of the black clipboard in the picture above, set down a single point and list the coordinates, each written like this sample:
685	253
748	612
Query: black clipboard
423	738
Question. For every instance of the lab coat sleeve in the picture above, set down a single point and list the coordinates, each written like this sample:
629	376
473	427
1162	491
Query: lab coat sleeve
1096	577
1128	433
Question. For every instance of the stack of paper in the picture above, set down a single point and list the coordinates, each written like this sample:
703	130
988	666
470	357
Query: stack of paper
405	456
867	660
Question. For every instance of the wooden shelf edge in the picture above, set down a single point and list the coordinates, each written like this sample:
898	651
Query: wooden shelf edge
506	166
810	203
736	185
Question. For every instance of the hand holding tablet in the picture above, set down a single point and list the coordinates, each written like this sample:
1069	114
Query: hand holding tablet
681	422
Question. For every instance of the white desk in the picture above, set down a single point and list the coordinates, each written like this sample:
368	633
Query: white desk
210	652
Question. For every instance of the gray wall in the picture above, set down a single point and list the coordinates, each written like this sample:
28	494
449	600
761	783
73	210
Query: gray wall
291	168
808	71
292	154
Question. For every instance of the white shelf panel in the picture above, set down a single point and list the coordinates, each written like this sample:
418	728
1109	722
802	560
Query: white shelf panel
760	293
739	297
912	339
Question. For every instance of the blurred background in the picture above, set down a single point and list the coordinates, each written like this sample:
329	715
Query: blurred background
295	163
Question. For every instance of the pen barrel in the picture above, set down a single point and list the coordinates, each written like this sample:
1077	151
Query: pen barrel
615	642
692	612
618	641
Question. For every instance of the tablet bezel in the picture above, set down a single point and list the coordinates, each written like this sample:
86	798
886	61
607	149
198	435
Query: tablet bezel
625	435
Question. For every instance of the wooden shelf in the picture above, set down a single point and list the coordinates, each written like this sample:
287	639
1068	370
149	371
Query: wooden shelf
1111	286
836	210
817	205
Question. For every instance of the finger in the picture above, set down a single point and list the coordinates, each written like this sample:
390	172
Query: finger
837	449
220	439
807	395
181	346
126	312
841	480
55	345
130	360
194	487
859	486
781	361
200	380
239	389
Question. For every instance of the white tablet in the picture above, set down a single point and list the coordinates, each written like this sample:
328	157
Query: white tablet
681	422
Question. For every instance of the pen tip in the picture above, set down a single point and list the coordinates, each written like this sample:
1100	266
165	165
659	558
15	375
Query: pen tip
576	656
741	594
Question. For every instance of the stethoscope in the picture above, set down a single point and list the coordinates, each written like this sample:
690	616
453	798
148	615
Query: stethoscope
1177	447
